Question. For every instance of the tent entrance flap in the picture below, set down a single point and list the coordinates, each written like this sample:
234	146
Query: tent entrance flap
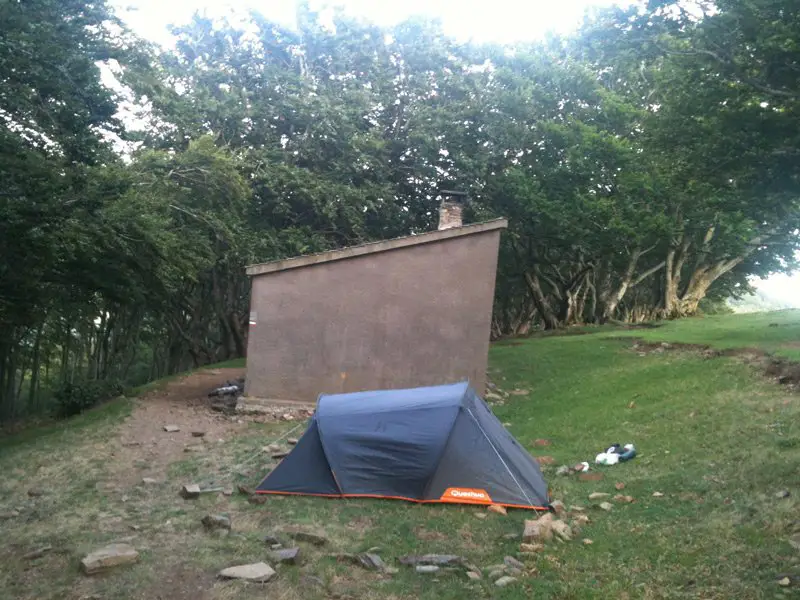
439	444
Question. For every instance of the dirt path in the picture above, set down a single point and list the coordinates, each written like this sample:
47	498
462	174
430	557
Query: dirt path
146	450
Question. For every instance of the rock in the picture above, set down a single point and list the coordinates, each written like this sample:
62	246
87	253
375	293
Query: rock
606	506
292	441
311	538
227	492
113	555
442	560
540	529
190	491
9	514
426	568
274	448
481	515
504	581
271	540
510	561
134	527
558	506
149	481
198	434
35	492
371	561
619	486
171	428
562	530
497	509
257	499
514	572
658	495
591	476
581	520
279	455
244	490
576	508
367	560
212	522
624	499
587	542
545	460
598	496
529	548
286	556
783	494
473	575
563	470
785	582
38	553
496	573
259	572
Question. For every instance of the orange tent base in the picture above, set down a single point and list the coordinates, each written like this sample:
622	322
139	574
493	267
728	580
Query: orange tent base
442	500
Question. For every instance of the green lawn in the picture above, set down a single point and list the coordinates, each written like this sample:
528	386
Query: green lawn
714	436
774	332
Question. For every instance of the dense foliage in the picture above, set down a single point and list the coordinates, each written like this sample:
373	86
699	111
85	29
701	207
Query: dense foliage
646	164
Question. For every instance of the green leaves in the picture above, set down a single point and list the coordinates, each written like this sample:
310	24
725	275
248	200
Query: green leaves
643	163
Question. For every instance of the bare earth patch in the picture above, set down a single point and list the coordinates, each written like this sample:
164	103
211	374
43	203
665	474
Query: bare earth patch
782	370
143	449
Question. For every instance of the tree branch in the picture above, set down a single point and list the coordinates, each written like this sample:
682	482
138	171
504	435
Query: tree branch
649	272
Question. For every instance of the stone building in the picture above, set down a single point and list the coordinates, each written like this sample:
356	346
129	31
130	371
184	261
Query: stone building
405	312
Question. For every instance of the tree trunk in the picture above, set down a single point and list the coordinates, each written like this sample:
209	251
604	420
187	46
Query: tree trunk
33	390
673	263
540	301
613	297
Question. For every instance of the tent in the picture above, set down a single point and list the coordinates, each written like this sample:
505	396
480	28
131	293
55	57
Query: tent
430	444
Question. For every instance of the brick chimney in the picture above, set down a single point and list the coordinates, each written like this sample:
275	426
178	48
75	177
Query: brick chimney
450	209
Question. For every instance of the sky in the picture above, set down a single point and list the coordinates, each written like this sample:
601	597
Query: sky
503	21
480	20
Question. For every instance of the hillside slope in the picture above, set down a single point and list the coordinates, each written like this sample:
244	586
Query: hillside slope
716	438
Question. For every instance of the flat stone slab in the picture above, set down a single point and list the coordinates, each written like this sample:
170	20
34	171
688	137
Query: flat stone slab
259	572
426	569
113	555
287	556
191	490
432	559
212	522
311	538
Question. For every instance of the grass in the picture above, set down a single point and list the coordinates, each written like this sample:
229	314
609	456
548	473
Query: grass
152	386
773	332
234	363
715	437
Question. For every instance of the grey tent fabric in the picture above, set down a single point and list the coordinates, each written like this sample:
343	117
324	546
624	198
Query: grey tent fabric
430	444
308	459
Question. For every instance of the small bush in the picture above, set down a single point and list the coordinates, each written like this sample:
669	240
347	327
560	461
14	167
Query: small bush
714	306
73	398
